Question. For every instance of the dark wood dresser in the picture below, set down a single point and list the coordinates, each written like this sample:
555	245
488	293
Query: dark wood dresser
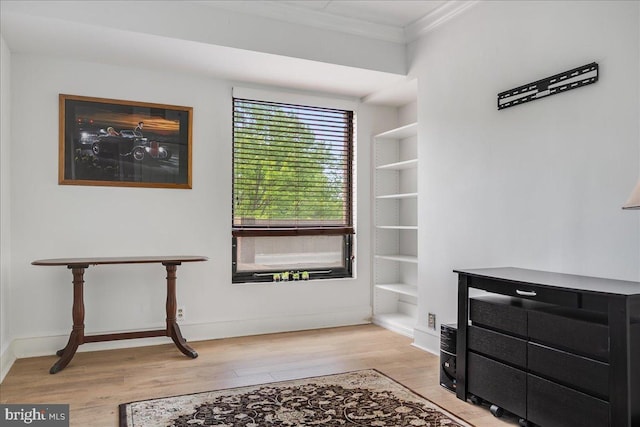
557	350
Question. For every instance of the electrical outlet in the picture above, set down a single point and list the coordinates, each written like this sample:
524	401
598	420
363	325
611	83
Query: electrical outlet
180	314
432	321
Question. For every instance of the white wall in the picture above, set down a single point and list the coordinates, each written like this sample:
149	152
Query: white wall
538	185
6	358
50	220
535	186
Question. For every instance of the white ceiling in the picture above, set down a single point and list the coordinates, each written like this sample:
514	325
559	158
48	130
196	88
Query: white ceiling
39	27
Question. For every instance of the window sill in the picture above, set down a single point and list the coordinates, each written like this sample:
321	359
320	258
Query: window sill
297	282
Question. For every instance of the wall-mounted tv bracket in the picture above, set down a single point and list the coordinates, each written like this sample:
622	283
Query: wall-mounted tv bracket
558	83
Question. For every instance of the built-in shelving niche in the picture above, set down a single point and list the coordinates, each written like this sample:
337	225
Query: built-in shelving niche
396	229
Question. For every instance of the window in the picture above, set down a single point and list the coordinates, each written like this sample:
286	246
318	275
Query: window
292	191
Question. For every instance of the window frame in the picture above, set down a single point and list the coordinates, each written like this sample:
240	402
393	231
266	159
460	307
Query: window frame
347	230
345	272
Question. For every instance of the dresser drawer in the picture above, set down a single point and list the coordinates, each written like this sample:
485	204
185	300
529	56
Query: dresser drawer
501	313
553	405
498	346
581	332
497	383
528	291
581	373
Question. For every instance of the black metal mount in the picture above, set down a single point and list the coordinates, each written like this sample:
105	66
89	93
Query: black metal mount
562	82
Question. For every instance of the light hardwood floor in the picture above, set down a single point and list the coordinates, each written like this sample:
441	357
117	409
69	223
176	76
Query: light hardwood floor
95	383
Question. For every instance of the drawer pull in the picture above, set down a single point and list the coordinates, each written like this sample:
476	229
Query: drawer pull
526	293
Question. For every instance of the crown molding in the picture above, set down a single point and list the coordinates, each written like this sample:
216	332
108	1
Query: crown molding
312	18
290	13
436	18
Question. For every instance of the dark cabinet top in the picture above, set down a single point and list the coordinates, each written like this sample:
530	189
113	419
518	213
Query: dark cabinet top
556	280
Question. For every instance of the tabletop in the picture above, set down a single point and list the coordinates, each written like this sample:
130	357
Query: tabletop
120	260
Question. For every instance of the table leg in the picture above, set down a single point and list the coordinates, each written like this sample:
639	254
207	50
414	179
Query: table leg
173	330
461	344
77	333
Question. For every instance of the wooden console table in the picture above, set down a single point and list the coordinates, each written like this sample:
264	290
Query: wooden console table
77	336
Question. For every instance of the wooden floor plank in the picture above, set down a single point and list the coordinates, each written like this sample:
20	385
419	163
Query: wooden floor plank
95	383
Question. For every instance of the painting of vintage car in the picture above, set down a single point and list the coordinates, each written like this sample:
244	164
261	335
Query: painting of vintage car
127	143
124	143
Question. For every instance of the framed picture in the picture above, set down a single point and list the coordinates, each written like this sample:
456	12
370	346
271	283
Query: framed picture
124	143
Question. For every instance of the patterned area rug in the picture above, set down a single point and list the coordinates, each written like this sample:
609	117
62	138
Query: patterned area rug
361	398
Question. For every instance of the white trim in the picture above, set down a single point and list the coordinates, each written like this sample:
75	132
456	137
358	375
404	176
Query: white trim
436	18
298	98
396	322
48	345
427	340
326	21
428	350
312	18
7	359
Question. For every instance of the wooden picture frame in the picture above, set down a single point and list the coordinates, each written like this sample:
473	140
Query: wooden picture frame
113	142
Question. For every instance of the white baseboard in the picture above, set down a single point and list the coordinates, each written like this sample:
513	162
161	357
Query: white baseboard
48	345
396	322
7	358
427	340
301	322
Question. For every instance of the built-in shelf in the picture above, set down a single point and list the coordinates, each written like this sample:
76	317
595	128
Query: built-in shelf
399	288
405	164
394	170
398	133
400	258
398	196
